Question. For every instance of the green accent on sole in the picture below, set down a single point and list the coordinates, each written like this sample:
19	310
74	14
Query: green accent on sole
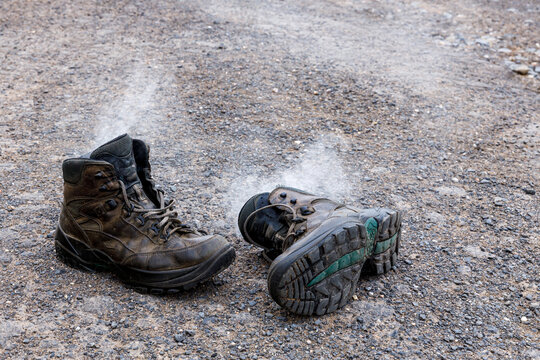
341	263
371	227
352	257
385	245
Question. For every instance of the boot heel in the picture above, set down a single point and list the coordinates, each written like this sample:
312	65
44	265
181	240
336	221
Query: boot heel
382	262
386	249
67	249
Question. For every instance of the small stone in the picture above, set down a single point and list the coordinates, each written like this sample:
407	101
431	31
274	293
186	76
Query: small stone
451	190
179	338
520	69
504	51
189	332
464	269
486	40
524	319
529	191
499	201
476	252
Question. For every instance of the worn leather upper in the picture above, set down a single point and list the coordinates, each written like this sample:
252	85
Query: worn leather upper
97	213
301	213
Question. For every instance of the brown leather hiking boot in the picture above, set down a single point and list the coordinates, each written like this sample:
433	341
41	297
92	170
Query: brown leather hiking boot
320	246
113	218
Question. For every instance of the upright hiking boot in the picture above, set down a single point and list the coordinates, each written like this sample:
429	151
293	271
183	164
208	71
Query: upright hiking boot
320	246
113	218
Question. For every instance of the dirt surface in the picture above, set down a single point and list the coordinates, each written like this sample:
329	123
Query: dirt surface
414	105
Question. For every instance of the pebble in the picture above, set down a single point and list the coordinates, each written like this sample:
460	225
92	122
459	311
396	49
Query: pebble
485	40
451	190
520	69
476	252
464	269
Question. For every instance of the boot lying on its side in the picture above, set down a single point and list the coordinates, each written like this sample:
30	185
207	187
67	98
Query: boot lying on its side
320	246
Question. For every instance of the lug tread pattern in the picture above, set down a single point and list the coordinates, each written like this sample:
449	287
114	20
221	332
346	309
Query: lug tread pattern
331	293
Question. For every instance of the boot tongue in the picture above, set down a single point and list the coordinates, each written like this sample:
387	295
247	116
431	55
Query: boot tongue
119	153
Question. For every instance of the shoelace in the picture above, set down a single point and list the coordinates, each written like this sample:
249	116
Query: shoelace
168	218
291	233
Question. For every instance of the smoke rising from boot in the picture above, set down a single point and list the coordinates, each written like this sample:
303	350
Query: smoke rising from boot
318	170
132	112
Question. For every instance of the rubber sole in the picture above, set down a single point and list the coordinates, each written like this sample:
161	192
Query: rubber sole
319	274
78	255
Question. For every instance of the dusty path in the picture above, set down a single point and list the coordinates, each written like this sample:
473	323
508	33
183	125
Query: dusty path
411	105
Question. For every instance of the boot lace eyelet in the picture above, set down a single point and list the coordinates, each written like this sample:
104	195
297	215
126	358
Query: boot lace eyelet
129	210
111	204
141	219
155	229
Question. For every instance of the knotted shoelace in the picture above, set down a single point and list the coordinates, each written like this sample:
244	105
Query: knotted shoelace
168	221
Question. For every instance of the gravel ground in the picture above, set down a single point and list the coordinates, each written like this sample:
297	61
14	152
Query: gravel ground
430	107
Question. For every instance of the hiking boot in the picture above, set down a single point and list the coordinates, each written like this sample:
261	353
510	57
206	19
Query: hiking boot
321	246
113	218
